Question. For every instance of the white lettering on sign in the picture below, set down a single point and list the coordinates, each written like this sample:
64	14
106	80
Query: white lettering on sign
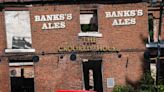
125	13
55	25
127	21
53	17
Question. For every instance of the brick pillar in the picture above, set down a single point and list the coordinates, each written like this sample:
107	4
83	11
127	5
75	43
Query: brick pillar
4	66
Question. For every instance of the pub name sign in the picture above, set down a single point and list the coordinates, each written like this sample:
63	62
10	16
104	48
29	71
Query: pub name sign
88	44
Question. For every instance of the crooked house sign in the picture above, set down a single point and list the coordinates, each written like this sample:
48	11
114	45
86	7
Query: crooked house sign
88	44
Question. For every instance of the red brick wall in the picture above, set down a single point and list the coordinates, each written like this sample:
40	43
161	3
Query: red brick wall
125	70
130	36
49	40
4	76
53	73
3	34
4	67
50	72
123	37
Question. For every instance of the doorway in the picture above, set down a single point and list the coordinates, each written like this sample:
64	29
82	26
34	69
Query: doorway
21	75
93	75
20	84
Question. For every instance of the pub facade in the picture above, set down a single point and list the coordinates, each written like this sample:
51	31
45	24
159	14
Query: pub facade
47	47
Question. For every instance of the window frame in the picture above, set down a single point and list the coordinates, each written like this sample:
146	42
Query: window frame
11	50
92	33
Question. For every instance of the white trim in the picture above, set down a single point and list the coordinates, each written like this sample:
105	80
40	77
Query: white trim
85	60
21	63
154	45
93	34
19	50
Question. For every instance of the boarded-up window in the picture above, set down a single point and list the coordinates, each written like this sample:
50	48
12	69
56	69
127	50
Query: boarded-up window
18	30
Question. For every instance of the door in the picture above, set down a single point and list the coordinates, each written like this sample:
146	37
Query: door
93	75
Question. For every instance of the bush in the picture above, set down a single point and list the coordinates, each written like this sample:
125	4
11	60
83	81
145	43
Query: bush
147	79
147	88
160	88
124	88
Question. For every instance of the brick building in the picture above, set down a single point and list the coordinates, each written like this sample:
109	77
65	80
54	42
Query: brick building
76	46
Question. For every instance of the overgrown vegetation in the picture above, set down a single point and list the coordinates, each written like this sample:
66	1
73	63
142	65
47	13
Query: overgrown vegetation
124	88
146	85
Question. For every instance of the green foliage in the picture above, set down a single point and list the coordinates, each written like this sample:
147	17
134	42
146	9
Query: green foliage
147	88
85	27
147	79
89	27
123	88
146	85
151	88
151	34
160	88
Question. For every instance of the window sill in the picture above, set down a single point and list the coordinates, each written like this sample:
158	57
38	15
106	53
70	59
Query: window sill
92	34
18	50
21	64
